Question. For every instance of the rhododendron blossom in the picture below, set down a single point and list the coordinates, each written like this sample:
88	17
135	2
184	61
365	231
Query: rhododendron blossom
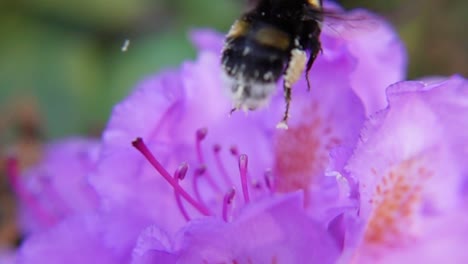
58	186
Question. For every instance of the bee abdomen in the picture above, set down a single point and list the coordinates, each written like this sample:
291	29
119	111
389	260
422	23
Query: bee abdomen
245	58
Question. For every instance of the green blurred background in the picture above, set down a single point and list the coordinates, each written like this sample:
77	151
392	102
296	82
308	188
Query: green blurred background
62	68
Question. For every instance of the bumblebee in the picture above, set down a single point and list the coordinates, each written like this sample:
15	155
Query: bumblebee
273	39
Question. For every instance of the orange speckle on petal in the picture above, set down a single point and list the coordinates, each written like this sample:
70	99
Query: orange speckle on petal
301	152
274	260
396	199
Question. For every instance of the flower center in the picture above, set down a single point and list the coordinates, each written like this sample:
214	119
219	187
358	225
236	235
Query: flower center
396	199
195	199
301	152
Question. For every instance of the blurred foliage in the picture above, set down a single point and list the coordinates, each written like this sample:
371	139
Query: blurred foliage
434	32
67	56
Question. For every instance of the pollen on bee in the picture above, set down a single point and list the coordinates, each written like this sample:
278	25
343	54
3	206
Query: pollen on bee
282	125
314	3
296	66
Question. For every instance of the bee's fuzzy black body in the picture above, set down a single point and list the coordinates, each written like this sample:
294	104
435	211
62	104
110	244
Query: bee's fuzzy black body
271	40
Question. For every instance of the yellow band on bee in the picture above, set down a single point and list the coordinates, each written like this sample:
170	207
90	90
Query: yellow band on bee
272	37
238	29
315	3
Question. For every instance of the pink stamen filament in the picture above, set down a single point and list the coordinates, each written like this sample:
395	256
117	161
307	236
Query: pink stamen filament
243	163
200	136
227	201
141	146
180	175
269	181
24	195
220	165
196	175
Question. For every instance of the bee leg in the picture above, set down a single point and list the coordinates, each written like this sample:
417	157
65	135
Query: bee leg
283	124
232	110
238	96
315	47
293	72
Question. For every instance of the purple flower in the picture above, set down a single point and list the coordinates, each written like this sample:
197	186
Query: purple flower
411	164
167	110
77	239
57	187
214	188
7	256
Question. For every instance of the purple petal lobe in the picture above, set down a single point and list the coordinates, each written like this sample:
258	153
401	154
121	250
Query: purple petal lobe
59	183
76	240
153	246
272	231
410	163
207	40
381	60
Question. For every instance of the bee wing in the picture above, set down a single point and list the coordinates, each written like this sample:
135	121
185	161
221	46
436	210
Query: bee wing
251	4
349	24
336	21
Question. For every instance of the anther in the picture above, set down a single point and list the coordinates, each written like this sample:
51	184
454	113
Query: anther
200	171
201	133
182	171
234	151
143	149
179	174
217	148
256	184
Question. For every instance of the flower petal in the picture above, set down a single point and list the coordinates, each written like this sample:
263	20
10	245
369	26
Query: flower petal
408	163
276	231
381	59
59	183
153	246
76	240
149	113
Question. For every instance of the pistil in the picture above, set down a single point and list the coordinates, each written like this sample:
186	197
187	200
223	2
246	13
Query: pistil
141	146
